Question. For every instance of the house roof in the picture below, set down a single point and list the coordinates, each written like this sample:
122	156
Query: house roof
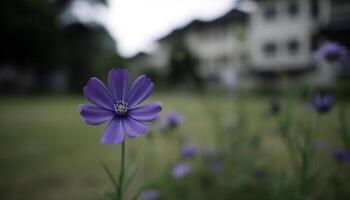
233	16
338	23
338	29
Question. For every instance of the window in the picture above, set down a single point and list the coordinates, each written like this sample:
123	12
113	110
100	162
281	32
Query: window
270	12
315	9
293	8
224	60
270	49
293	46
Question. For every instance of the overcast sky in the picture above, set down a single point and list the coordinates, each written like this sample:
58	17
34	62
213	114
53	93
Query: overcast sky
136	24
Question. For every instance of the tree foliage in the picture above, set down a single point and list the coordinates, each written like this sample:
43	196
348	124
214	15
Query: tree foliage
183	66
34	37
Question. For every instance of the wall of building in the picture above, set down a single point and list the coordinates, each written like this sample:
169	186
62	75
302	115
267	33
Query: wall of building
277	37
280	35
221	50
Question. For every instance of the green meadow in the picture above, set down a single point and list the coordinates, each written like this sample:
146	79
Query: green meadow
48	152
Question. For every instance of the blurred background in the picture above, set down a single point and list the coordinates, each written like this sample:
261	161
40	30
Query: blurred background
245	70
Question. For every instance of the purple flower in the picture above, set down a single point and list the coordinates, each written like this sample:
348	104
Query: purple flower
180	170
341	155
149	194
212	160
188	150
331	51
216	165
172	120
117	104
259	174
323	103
320	144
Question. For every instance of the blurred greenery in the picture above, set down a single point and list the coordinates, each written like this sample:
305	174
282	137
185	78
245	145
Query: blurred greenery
48	152
44	37
183	66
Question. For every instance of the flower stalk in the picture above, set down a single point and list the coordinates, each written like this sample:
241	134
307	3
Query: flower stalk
306	153
344	131
121	175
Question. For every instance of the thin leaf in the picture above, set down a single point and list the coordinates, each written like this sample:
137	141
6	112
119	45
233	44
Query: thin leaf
110	175
129	176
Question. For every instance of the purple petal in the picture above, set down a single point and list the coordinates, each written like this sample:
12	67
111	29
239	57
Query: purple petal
94	115
341	155
114	132
188	150
173	119
147	112
323	103
140	90
329	99
331	51
180	170
134	127
118	83
97	93
150	194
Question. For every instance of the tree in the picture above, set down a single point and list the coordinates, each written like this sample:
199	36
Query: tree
34	37
183	65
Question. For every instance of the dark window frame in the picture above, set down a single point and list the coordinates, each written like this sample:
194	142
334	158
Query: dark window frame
293	8
270	49
293	46
270	11
315	9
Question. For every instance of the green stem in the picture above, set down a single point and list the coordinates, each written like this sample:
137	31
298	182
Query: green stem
121	175
304	175
343	126
306	154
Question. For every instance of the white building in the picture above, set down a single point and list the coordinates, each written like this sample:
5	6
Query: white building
247	48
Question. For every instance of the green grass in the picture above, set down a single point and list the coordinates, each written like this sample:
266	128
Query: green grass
48	152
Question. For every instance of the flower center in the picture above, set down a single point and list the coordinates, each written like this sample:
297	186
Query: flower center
121	107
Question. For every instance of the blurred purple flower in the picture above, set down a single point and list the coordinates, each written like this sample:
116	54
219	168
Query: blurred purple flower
331	51
259	174
212	160
320	144
150	194
188	150
171	120
216	165
180	170
117	105
341	155
323	103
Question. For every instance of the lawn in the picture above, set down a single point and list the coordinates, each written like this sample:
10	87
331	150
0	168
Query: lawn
48	152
